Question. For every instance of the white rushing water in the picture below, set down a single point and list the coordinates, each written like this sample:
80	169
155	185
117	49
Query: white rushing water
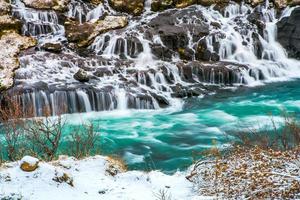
126	73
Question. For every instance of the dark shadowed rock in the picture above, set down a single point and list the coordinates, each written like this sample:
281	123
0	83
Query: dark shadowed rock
289	33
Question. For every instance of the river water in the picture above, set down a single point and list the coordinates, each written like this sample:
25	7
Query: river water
170	139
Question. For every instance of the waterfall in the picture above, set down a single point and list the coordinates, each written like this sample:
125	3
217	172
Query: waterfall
156	59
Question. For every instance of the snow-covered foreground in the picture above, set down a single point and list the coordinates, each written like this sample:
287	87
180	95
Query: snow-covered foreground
91	179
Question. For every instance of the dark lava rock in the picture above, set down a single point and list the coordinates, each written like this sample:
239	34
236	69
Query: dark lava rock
289	33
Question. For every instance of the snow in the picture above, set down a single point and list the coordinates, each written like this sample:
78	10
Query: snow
30	160
90	180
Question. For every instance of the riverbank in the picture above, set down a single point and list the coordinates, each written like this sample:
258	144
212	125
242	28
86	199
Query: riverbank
245	173
92	178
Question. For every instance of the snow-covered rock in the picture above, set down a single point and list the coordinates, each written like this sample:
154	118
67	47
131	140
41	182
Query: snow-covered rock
90	181
29	164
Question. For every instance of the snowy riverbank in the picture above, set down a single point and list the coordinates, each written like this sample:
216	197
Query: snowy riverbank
92	178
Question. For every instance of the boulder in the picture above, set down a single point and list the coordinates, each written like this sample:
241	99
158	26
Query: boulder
13	43
288	33
58	5
134	7
83	34
52	47
81	76
29	164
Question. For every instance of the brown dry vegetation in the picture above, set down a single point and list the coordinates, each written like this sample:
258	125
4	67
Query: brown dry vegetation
258	166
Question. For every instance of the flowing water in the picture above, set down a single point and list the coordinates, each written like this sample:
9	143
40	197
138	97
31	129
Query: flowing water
158	107
169	140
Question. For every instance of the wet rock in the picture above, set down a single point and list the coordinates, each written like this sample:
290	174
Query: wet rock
257	18
134	7
162	52
104	71
52	47
175	27
13	43
211	2
81	76
289	33
29	164
83	34
224	73
186	54
159	5
203	54
59	5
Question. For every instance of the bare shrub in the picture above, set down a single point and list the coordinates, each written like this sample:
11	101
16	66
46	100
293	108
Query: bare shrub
44	135
83	140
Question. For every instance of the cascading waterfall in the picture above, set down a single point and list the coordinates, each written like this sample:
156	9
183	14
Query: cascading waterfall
151	62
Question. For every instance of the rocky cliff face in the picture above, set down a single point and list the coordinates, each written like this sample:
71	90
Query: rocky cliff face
11	43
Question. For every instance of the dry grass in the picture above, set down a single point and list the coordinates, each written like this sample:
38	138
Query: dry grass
249	173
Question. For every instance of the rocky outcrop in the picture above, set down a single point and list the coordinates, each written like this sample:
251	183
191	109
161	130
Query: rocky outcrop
29	164
159	5
289	33
13	43
134	7
9	23
83	34
4	7
59	5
